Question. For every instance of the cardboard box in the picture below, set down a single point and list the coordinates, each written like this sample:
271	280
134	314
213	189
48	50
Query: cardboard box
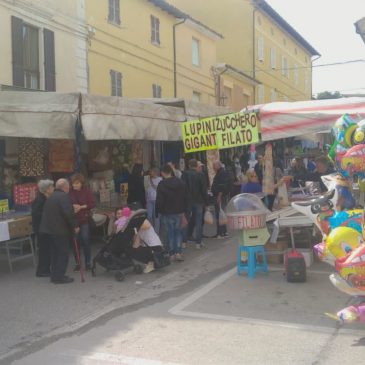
275	252
20	227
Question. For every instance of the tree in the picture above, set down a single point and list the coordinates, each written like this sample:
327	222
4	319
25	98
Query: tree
329	95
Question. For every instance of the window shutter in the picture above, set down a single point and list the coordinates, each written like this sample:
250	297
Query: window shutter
111	10
153	34
119	84
260	49
273	58
117	12
49	61
17	51
158	30
112	83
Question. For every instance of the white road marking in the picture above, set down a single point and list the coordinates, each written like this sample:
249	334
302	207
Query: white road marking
85	358
179	309
205	256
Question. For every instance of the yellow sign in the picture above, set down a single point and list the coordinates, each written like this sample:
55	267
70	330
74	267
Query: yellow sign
225	131
124	190
4	206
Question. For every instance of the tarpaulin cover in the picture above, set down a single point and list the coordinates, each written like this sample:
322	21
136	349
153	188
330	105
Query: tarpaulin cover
111	118
283	120
38	114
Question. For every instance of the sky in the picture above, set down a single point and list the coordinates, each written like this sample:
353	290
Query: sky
328	25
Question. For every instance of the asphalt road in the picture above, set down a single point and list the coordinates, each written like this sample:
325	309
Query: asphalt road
196	312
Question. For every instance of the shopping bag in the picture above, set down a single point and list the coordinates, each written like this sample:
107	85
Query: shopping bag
222	217
208	217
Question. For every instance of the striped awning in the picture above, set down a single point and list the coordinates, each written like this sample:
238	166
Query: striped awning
283	120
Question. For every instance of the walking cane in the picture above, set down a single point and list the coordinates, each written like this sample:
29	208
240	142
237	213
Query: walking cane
78	260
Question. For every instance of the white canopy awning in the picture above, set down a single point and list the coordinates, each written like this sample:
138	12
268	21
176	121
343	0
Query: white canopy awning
108	118
283	120
38	114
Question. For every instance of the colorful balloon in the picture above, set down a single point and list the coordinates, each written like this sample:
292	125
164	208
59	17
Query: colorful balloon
352	267
342	285
351	314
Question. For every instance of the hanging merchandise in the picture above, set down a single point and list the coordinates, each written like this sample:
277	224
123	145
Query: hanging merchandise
137	152
61	155
122	154
268	178
31	157
100	156
24	194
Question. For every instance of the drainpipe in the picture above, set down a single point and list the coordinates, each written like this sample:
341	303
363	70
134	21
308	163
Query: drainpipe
315	59
253	52
174	47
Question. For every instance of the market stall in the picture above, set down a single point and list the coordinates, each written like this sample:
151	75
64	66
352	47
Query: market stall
37	133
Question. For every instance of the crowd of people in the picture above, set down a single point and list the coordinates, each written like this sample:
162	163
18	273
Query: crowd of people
176	203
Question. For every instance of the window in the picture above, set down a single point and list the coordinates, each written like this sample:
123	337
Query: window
295	51
30	57
114	12
196	97
296	74
272	31
27	56
260	48
195	59
260	94
259	20
306	82
272	95
155	30
284	41
156	91
227	96
284	66
116	83
273	58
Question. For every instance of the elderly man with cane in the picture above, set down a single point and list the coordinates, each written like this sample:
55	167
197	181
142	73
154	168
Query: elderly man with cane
59	226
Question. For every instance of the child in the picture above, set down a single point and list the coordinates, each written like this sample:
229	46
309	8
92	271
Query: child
122	216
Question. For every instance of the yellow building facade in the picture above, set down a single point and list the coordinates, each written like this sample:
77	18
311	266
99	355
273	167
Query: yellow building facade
235	85
283	58
144	49
253	35
43	45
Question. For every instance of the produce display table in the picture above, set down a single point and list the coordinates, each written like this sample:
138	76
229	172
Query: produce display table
18	245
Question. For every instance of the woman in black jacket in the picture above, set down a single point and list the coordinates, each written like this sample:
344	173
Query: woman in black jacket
136	190
45	190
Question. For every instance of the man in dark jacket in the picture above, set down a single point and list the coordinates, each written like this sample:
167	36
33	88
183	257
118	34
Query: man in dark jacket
171	204
220	189
323	168
196	200
45	190
59	224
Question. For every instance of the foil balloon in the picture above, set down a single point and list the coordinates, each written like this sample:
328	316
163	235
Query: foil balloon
321	211
350	314
343	130
342	285
340	242
352	268
353	162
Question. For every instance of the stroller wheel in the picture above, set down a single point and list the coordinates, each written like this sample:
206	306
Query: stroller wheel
138	269
119	276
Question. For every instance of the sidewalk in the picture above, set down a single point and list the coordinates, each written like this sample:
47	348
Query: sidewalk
33	308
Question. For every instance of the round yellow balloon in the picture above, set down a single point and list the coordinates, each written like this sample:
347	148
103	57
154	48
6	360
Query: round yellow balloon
343	240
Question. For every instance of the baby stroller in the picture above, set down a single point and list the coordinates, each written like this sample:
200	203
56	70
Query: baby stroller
114	256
